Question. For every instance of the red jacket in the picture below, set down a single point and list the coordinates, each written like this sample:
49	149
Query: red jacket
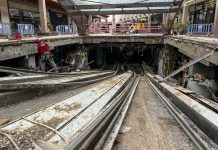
18	37
43	49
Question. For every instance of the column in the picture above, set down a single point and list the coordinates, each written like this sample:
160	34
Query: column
215	32
90	19
100	19
164	20
30	61
5	17
74	27
168	18
90	24
69	20
185	13
149	20
48	16
43	16
113	24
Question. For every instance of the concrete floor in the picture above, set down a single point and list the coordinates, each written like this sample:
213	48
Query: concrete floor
152	127
3	40
209	40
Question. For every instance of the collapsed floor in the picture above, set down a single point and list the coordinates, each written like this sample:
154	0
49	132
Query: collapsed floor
148	115
82	68
159	59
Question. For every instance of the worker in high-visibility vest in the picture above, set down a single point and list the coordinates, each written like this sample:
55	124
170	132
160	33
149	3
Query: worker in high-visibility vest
132	28
138	27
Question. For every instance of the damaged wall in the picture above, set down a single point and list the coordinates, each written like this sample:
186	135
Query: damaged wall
166	61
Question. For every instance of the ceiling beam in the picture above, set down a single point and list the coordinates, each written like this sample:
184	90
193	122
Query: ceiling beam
107	12
128	5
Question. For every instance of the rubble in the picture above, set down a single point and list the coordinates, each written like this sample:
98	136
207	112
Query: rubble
25	139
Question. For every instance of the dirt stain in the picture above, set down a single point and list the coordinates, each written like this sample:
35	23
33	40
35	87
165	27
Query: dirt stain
68	107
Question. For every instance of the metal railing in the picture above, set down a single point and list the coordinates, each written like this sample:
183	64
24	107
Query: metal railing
123	28
25	29
65	29
200	29
5	28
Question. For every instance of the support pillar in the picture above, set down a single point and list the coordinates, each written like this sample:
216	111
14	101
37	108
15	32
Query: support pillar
168	19
90	19
149	23
43	16
100	19
69	20
91	27
5	17
215	32
30	61
48	16
113	24
164	20
74	27
149	20
185	13
166	61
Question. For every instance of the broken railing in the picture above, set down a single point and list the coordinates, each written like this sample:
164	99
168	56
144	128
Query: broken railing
25	29
200	29
65	29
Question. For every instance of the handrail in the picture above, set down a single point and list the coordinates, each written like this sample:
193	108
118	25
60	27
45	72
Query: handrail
200	29
107	27
26	29
65	29
5	28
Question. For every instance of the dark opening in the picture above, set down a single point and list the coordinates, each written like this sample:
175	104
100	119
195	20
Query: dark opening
124	54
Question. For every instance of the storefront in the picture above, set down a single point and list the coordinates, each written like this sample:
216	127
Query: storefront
20	16
57	18
156	19
27	12
202	13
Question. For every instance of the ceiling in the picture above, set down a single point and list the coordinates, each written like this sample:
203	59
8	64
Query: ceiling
107	7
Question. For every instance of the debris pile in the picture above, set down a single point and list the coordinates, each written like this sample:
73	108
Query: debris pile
202	85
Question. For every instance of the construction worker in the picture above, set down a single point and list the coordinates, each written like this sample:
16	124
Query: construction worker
132	28
45	55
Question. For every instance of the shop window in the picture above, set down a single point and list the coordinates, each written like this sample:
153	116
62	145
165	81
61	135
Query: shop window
57	19
28	17
202	13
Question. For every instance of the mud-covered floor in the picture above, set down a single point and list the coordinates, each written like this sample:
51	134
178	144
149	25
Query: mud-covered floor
152	127
22	108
